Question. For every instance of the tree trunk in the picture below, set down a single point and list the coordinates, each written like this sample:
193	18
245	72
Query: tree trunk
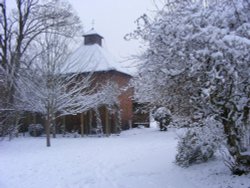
90	121
82	124
241	164
47	128
64	125
107	124
54	127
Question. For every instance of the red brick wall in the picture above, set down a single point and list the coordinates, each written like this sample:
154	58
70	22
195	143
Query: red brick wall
125	99
126	105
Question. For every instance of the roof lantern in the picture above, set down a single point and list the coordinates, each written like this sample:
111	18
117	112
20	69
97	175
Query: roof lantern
92	37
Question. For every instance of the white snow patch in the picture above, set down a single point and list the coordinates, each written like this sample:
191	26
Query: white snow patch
92	32
138	158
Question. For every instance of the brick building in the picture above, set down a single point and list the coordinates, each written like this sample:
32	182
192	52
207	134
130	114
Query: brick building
92	58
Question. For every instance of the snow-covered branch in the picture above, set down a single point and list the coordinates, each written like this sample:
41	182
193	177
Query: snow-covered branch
198	63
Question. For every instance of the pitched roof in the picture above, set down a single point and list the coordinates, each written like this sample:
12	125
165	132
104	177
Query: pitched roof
92	32
92	58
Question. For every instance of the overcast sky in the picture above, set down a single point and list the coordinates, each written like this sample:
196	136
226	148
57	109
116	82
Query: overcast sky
113	19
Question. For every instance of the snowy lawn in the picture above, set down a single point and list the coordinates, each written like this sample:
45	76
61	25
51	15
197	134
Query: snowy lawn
138	158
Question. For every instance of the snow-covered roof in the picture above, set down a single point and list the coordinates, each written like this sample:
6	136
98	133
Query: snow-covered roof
92	32
92	58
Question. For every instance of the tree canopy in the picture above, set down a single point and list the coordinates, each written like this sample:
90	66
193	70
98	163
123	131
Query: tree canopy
198	62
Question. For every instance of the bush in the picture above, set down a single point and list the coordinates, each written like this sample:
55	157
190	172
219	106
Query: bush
180	122
199	143
163	116
35	130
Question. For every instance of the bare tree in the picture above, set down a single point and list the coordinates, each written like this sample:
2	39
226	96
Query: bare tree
47	89
19	30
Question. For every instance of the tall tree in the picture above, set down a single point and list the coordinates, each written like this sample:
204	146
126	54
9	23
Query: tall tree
48	89
198	57
19	30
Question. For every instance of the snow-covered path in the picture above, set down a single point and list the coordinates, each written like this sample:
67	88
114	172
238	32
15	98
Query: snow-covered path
139	158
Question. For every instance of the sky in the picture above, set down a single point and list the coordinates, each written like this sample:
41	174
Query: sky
113	19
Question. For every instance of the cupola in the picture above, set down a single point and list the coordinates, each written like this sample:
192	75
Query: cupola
92	37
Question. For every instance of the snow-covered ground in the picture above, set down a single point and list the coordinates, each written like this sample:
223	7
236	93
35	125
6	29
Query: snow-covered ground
138	158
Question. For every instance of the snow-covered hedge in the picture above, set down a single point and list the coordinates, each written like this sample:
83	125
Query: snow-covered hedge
180	122
36	130
199	143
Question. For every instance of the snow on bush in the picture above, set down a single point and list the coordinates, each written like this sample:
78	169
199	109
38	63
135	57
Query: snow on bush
199	143
180	122
35	130
163	116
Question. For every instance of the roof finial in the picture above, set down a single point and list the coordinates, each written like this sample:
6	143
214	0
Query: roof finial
93	24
